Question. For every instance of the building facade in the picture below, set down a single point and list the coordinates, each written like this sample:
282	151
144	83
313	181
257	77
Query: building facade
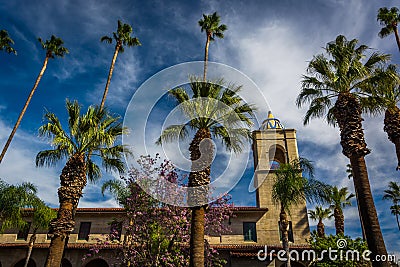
254	229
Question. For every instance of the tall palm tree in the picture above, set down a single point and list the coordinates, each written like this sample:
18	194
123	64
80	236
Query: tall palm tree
340	76
122	38
93	133
291	188
214	111
389	18
6	42
339	199
53	49
211	25
319	214
393	194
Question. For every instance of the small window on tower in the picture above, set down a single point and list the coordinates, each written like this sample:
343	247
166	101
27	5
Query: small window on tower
249	231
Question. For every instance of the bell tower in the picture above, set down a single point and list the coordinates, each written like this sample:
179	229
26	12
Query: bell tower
273	145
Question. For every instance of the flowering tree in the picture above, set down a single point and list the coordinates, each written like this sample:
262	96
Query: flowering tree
158	234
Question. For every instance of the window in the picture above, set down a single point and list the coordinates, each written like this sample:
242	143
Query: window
115	231
23	233
249	231
290	233
84	231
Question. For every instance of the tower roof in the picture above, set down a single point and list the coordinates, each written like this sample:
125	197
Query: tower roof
271	123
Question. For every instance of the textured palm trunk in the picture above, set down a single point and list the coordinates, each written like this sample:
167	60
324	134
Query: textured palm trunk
206	56
320	228
359	216
73	180
397	219
396	33
199	177
30	246
21	115
110	73
339	221
347	112
285	234
392	128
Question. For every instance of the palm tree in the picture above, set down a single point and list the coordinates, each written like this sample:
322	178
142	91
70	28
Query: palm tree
53	49
122	38
214	111
389	19
342	76
42	216
385	95
393	194
91	134
318	215
291	188
211	25
339	199
6	42
13	198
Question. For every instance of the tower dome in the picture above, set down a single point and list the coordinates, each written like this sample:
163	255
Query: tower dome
271	123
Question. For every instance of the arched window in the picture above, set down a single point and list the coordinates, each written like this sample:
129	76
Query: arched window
277	156
97	263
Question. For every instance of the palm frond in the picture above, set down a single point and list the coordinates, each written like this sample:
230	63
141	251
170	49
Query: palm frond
92	170
172	133
49	158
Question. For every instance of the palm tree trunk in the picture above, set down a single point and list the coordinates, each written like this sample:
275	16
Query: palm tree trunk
320	229
359	215
21	115
206	56
347	112
197	237
110	73
339	221
73	180
30	246
369	216
285	234
197	198
396	33
392	128
397	219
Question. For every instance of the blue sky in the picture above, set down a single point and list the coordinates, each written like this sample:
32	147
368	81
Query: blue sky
270	41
